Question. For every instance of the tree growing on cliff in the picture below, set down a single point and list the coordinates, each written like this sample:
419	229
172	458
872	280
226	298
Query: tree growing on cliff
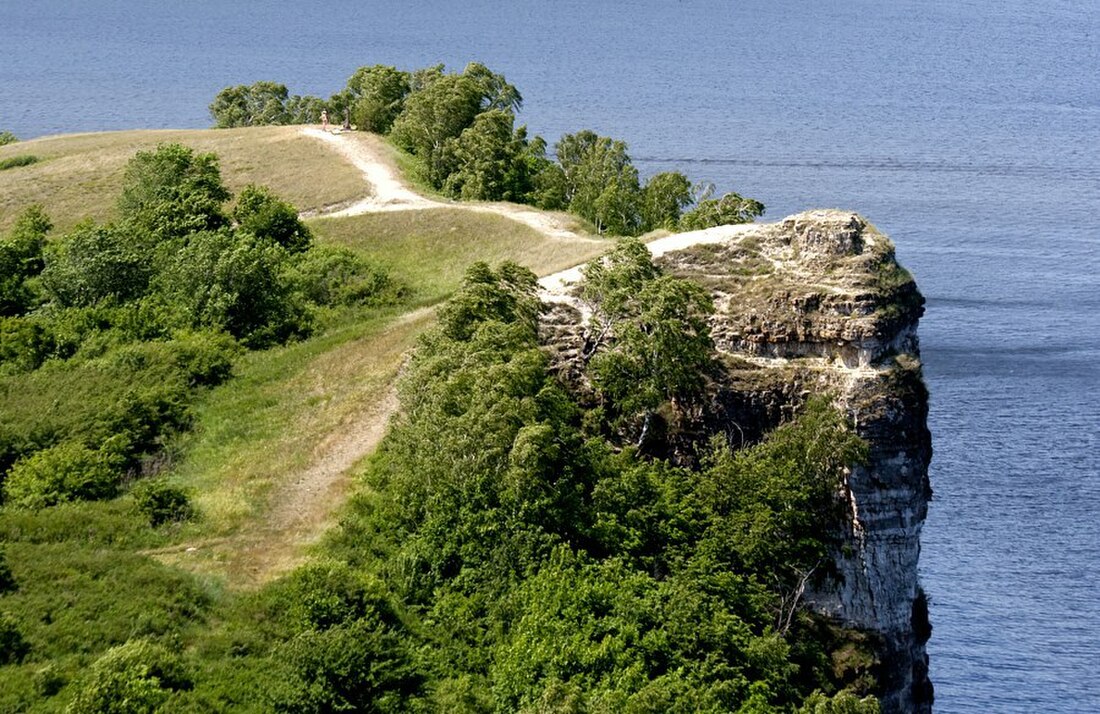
652	342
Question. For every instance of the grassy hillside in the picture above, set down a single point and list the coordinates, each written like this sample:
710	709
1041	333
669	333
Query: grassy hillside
79	176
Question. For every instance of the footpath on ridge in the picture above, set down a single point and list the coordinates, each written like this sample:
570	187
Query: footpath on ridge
302	507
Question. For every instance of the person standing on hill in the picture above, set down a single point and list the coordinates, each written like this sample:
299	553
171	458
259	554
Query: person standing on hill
324	119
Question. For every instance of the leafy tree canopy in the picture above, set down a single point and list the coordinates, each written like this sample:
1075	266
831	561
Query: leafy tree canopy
172	191
257	104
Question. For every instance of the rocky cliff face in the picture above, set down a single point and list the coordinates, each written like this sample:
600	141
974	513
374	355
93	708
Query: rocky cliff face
816	303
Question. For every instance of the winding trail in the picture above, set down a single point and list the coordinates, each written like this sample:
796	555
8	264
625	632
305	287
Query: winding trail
391	193
302	508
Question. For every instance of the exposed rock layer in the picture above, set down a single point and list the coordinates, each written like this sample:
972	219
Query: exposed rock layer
816	303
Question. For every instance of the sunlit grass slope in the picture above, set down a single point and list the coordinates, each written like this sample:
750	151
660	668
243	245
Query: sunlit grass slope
80	176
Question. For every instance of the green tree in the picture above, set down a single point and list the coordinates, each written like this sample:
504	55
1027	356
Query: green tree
440	106
377	97
264	215
434	115
95	263
172	191
21	259
601	182
488	160
304	109
664	198
731	208
612	284
6	137
660	354
234	282
775	505
258	104
507	295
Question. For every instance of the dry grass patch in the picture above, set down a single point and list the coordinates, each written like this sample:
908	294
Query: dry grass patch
80	175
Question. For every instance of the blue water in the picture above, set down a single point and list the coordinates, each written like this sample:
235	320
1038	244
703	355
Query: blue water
968	130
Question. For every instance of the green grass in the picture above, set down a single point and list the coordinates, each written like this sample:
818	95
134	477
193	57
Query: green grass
430	250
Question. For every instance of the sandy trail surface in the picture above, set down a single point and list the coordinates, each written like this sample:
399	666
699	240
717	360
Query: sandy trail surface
391	193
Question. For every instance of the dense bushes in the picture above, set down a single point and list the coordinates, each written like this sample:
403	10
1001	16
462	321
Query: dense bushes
548	565
461	129
134	678
108	330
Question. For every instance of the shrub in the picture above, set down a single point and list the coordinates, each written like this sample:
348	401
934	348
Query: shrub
16	161
235	283
6	137
172	192
360	667
161	502
93	264
23	345
266	216
13	648
134	678
66	472
329	275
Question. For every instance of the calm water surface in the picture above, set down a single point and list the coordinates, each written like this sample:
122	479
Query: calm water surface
969	131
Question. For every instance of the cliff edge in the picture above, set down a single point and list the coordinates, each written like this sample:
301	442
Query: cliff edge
816	304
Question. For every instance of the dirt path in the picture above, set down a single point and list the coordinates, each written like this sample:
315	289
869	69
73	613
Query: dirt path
391	193
304	507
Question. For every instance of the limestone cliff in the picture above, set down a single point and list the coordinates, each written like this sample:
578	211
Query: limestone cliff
816	303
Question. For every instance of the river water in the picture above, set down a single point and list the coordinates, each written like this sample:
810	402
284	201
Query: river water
967	130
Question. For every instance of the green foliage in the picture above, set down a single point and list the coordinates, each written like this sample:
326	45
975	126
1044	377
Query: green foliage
24	345
6	137
663	352
377	97
78	599
664	198
161	502
601	182
731	208
234	282
21	260
552	570
13	648
14	162
7	580
508	295
775	503
265	216
361	666
94	264
258	104
651	343
172	192
134	678
304	109
66	472
328	275
841	703
441	106
485	160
